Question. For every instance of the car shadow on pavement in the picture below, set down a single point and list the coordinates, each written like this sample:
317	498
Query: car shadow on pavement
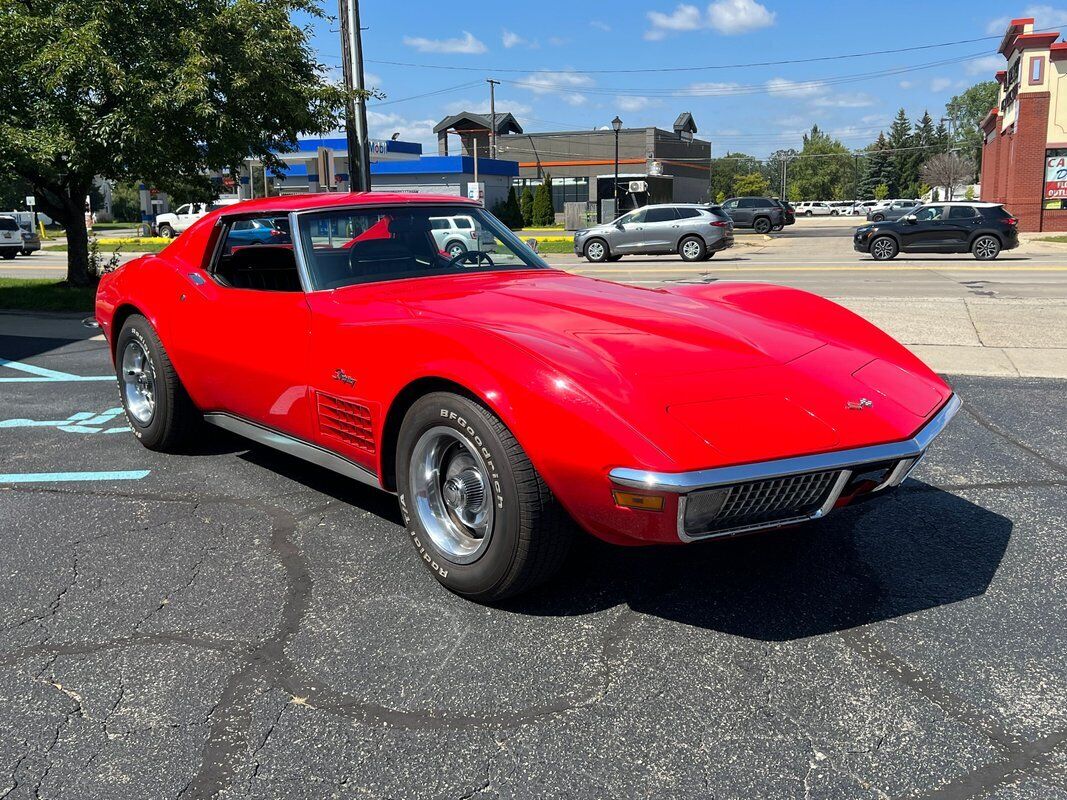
915	550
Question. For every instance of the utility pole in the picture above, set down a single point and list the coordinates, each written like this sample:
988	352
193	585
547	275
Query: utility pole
492	116
356	110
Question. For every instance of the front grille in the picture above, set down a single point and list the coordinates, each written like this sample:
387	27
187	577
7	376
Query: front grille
342	419
758	503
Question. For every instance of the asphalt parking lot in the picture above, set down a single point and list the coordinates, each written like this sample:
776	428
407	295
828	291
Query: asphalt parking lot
236	623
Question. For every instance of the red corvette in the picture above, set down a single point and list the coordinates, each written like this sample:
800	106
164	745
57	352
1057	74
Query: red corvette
499	398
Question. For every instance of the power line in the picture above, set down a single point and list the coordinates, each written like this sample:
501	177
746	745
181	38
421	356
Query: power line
426	94
653	70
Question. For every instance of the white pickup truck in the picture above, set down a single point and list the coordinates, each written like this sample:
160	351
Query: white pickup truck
170	225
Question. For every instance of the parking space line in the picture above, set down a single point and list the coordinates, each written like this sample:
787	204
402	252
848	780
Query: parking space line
41	374
58	477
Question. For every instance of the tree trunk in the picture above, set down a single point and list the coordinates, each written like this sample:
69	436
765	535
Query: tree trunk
79	271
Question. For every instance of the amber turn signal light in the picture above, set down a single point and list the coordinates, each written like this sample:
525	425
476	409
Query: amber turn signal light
644	502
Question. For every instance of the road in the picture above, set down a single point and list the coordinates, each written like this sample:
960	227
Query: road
233	620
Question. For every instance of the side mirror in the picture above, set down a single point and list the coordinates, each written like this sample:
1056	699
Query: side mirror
910	219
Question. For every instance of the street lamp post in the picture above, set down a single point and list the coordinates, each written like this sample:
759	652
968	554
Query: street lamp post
616	125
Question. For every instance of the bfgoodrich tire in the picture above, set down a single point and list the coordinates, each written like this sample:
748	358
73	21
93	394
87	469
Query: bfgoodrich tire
478	514
159	411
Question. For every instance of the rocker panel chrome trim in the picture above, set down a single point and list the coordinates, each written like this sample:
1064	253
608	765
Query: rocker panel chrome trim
319	456
682	482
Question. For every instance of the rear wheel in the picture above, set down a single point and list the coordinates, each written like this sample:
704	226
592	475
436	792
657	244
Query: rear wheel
455	249
596	250
692	248
166	231
884	248
27	252
478	513
986	248
157	407
878	218
762	225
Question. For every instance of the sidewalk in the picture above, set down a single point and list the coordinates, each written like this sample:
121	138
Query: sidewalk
975	336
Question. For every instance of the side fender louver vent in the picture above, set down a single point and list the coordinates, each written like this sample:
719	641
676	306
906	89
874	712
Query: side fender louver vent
346	421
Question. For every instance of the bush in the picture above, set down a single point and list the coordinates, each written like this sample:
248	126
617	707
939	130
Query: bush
542	205
526	206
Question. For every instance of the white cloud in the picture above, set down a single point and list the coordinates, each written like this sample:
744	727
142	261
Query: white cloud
728	17
1044	17
788	88
711	88
383	126
906	84
511	39
558	41
574	99
503	106
634	102
843	101
544	82
683	18
600	25
985	65
731	17
940	84
467	44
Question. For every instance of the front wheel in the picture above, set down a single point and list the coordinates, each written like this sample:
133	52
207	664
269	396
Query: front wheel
478	513
762	225
455	250
878	218
986	248
596	250
884	248
692	248
166	231
157	407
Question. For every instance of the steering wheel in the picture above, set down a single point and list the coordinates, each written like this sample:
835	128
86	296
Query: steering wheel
478	257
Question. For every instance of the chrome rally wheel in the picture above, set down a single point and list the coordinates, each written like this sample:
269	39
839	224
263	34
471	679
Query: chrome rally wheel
138	382
451	494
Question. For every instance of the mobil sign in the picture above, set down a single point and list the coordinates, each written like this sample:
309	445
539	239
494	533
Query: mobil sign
1056	176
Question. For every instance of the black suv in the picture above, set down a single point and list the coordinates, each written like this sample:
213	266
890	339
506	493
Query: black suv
983	229
759	213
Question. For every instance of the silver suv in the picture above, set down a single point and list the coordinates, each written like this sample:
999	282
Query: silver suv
456	235
694	232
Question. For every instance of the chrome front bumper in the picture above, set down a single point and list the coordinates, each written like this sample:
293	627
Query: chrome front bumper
766	485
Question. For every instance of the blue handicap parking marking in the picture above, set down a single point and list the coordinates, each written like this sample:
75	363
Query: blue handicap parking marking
60	477
78	422
35	374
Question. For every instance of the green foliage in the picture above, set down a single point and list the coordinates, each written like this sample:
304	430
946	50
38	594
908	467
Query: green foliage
720	197
154	90
969	194
881	192
126	202
751	184
508	211
824	169
967	110
526	204
44	294
542	204
875	167
900	158
725	170
934	196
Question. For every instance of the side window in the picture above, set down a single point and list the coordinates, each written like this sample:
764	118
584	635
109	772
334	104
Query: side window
183	209
637	216
438	224
730	205
464	223
687	213
660	215
962	212
751	202
930	213
258	254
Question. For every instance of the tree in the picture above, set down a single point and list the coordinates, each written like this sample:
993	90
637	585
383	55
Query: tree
724	172
508	211
881	192
526	205
966	110
969	194
751	184
924	140
823	170
543	215
720	197
772	167
899	140
155	90
876	167
126	202
948	170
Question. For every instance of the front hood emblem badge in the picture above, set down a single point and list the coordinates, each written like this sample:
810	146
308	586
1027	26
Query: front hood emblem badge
859	405
339	375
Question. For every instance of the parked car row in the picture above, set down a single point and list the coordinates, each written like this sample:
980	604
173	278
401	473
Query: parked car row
15	239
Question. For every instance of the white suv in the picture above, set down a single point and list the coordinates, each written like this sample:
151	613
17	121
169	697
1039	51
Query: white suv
10	237
814	208
456	235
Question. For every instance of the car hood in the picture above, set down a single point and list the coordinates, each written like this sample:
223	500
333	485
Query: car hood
713	374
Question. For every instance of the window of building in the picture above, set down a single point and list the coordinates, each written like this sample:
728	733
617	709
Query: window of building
1037	69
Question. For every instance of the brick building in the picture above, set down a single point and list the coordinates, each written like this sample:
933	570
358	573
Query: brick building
1024	156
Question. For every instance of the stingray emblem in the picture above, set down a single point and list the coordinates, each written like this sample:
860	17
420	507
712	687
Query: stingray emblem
859	405
339	375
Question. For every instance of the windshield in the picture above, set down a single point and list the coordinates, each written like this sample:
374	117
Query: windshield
367	244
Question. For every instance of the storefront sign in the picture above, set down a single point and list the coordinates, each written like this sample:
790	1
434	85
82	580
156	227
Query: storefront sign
1056	177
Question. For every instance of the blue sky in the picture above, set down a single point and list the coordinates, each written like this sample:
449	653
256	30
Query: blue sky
544	51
